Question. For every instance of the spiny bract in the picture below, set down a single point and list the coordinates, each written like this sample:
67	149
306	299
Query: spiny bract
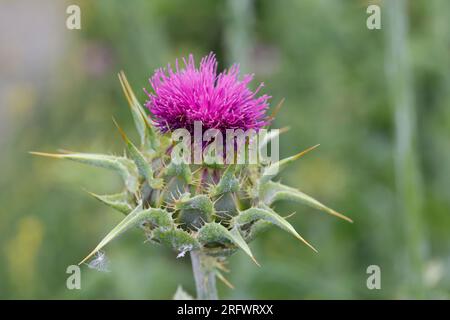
216	210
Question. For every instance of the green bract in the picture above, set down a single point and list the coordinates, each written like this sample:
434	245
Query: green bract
174	205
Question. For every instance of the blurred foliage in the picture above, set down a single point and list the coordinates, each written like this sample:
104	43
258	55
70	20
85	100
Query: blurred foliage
333	73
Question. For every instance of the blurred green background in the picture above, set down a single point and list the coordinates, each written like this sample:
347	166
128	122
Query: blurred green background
378	102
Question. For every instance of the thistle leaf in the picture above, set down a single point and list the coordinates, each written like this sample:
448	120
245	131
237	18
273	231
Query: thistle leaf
271	192
272	170
226	206
240	242
158	217
214	232
118	201
267	214
143	166
200	202
228	182
145	130
180	170
257	228
123	166
176	238
196	210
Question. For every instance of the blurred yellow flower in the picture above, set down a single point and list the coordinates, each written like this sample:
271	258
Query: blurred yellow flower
21	252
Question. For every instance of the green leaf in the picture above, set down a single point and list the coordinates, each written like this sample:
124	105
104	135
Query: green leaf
196	210
226	206
200	202
143	166
240	242
257	228
228	182
214	232
180	170
118	201
146	132
272	170
123	166
267	214
176	238
271	192
158	217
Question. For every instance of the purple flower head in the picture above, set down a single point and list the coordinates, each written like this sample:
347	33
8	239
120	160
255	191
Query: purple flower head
221	101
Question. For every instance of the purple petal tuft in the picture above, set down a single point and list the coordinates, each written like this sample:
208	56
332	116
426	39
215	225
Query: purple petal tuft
220	101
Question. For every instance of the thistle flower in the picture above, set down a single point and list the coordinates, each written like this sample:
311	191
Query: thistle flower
210	212
220	101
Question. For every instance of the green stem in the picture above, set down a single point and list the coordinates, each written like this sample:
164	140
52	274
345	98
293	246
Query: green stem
239	32
408	174
204	275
